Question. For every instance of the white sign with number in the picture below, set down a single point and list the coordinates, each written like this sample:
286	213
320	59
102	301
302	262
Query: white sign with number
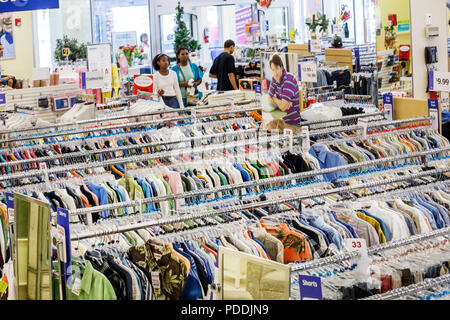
315	46
308	72
363	123
362	261
306	144
440	81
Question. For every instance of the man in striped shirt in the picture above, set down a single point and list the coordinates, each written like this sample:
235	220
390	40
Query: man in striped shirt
284	93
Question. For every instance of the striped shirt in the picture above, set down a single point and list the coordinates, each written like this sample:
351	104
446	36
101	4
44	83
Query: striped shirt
287	89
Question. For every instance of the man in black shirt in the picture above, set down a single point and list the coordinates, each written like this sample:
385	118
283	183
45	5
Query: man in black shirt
224	70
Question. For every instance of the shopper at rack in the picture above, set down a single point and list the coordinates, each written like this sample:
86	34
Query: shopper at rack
166	82
224	69
189	77
284	95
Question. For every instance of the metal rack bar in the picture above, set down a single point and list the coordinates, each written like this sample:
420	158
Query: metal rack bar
121	117
125	148
139	158
344	118
401	292
238	208
267	181
129	125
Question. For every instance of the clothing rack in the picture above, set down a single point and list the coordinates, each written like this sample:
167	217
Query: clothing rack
126	148
139	158
356	127
238	208
260	182
344	118
371	251
121	117
357	97
130	125
414	288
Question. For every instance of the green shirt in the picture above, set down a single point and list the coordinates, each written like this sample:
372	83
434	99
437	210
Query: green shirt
93	286
188	74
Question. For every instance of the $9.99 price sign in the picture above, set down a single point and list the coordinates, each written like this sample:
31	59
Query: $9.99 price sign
439	81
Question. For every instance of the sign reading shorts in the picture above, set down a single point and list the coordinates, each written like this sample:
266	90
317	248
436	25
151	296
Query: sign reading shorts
143	83
27	5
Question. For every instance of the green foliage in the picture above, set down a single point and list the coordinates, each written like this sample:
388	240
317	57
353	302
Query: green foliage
77	50
182	34
318	20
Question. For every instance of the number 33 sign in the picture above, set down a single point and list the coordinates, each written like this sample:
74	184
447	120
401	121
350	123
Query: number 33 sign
362	261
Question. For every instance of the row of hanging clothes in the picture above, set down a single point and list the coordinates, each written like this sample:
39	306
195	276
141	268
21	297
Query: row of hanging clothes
327	76
389	269
122	138
20	120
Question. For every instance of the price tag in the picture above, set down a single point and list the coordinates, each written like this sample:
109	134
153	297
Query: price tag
433	111
92	80
156	282
306	143
76	286
439	81
258	89
315	46
362	261
310	288
363	122
308	72
272	40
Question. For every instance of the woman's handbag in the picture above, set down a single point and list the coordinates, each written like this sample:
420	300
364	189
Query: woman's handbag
191	99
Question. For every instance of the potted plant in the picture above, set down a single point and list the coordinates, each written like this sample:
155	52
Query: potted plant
182	34
324	23
312	24
78	51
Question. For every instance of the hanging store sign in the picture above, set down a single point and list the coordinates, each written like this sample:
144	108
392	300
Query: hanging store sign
307	72
439	81
27	5
92	80
63	237
315	46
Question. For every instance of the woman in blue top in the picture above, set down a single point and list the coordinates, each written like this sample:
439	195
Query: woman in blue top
186	71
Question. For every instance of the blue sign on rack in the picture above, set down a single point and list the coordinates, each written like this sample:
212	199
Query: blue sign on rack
27	5
65	256
358	60
2	98
310	288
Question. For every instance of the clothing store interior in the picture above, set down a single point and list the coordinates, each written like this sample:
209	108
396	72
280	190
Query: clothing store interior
225	150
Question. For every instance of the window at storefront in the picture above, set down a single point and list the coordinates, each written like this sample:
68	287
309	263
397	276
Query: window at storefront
116	16
277	22
167	26
71	19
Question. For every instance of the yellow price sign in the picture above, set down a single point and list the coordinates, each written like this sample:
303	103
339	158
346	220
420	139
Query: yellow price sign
66	52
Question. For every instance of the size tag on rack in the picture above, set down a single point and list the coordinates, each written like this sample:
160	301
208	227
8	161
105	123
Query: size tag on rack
10	208
310	287
156	282
43	167
362	261
363	122
289	133
306	143
433	111
61	238
264	84
439	81
388	105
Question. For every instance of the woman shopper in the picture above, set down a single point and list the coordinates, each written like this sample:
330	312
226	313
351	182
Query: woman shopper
166	82
189	76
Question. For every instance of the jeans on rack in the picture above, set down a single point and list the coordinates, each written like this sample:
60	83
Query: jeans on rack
171	102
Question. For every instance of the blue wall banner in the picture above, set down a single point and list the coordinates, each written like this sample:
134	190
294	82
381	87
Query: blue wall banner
27	5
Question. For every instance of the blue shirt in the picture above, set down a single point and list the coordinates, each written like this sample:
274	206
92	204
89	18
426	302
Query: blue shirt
305	222
102	196
349	227
441	209
192	289
434	211
332	234
426	212
328	159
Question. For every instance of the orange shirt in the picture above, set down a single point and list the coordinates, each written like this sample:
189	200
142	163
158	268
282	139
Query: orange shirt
296	247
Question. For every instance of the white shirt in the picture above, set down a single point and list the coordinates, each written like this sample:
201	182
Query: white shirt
169	84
